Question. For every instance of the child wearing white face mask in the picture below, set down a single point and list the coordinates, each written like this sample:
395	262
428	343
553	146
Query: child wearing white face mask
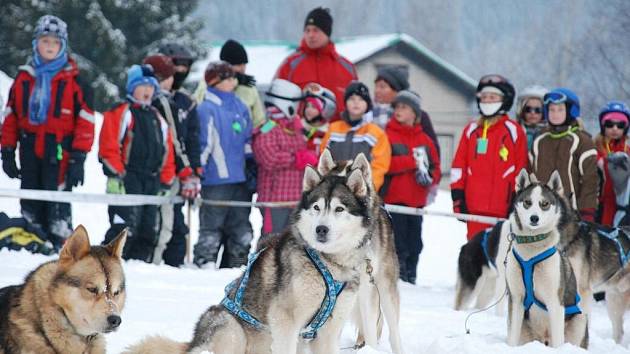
491	152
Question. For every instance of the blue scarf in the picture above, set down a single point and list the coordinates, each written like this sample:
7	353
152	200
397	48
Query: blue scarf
44	72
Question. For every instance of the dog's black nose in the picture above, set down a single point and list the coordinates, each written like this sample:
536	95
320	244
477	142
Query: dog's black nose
322	232
534	219
114	321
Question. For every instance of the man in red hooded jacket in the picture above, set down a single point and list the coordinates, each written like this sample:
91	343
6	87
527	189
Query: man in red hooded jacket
317	60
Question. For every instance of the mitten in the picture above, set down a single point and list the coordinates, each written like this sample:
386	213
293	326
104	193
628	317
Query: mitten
75	174
305	157
8	163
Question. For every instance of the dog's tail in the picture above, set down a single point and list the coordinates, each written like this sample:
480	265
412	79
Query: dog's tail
157	345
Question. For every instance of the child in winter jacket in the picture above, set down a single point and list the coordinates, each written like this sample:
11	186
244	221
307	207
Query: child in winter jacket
564	147
187	182
613	137
414	170
226	129
281	154
355	133
317	108
187	129
49	121
491	152
529	112
136	150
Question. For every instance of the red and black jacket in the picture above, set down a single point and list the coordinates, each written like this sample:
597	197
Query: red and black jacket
69	117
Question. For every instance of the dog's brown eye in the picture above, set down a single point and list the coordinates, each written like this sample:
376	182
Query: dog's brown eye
93	290
544	204
316	207
117	292
339	209
527	203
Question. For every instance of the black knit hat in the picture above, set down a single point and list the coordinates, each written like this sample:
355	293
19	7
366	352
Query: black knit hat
233	52
358	88
411	99
320	17
395	77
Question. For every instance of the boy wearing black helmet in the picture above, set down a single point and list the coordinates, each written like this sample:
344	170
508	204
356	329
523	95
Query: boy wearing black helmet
491	152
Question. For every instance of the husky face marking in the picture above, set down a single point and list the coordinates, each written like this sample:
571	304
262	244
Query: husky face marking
333	215
537	206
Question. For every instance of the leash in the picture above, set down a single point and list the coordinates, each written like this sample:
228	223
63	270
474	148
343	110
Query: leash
510	237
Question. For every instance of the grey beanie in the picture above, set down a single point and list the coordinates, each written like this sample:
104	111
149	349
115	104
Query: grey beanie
394	76
411	99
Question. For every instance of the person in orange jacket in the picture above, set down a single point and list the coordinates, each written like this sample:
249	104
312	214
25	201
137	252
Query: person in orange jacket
355	133
50	123
136	150
491	153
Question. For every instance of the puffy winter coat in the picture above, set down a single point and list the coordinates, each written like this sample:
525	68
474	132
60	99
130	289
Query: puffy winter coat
572	153
403	188
607	196
487	179
70	121
226	130
136	138
323	66
345	142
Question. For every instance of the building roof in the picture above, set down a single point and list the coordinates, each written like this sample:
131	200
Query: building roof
266	56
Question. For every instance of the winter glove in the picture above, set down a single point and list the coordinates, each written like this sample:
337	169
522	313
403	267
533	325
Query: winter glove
8	163
244	79
115	185
459	202
164	191
423	173
305	157
75	174
587	214
190	187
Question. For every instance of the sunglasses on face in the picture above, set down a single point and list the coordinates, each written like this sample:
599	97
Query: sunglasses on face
619	125
537	110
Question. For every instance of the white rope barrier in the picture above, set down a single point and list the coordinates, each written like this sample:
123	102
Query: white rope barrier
141	199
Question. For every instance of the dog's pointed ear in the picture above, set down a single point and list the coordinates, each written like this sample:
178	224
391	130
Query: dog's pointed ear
357	184
311	179
555	183
115	247
76	247
326	163
522	180
361	162
533	178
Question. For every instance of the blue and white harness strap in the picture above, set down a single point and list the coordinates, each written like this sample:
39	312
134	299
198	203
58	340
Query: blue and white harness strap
236	306
333	289
527	269
613	235
484	246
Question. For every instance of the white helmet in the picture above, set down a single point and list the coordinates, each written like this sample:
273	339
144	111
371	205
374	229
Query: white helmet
285	95
326	96
534	91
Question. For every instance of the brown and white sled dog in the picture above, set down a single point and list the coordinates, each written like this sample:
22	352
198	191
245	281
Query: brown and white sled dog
284	288
65	306
378	291
543	295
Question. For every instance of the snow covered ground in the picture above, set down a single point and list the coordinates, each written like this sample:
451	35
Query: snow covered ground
168	301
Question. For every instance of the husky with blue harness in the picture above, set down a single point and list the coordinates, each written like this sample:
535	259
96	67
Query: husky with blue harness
299	287
544	303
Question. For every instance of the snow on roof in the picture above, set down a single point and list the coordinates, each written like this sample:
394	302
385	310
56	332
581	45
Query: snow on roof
266	56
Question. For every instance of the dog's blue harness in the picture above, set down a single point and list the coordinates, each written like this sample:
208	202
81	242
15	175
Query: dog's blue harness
333	289
527	269
613	234
484	246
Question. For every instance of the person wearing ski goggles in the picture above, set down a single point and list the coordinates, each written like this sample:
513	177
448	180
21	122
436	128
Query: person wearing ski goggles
565	147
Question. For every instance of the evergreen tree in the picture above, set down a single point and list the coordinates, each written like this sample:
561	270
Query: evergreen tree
105	36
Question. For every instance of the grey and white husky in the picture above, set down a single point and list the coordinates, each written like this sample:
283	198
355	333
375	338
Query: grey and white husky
378	287
543	300
285	289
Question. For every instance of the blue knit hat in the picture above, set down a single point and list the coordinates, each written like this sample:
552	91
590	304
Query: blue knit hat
140	75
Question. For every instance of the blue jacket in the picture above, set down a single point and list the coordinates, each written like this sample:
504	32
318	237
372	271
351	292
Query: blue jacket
226	129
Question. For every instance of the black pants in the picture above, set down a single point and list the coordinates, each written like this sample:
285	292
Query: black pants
44	174
215	222
142	220
408	236
275	220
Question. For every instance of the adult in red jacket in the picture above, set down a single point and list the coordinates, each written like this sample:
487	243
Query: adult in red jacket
491	153
413	171
317	60
51	124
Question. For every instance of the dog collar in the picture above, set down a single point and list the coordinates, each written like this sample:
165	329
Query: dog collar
530	239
